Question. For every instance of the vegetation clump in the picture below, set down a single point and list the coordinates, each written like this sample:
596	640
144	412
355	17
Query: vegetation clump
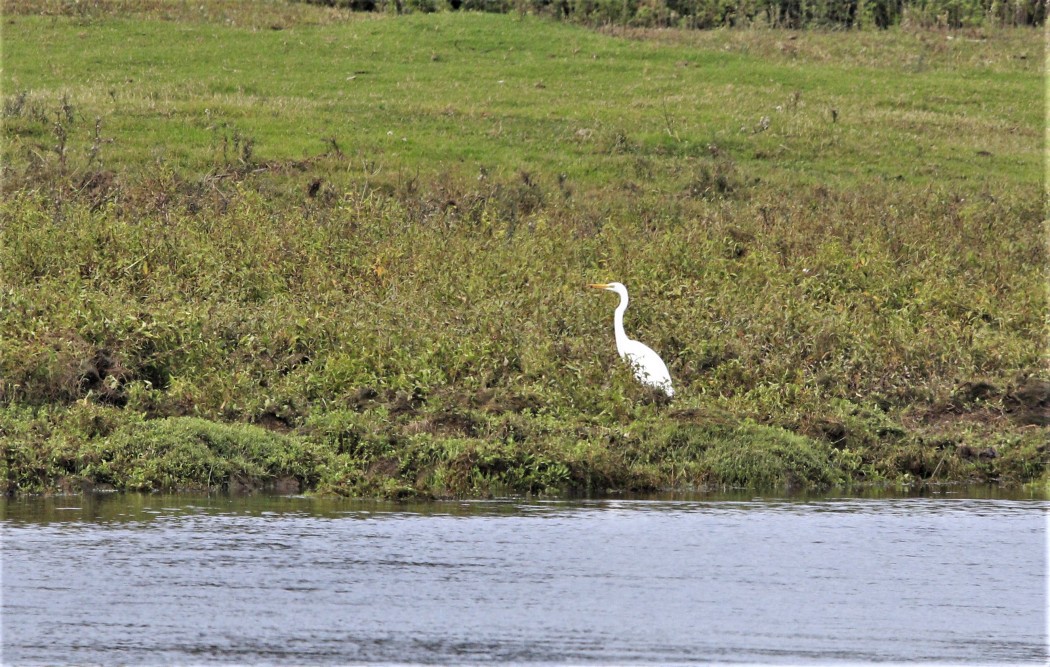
216	282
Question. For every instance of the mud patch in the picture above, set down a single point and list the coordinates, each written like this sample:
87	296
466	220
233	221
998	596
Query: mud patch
1029	403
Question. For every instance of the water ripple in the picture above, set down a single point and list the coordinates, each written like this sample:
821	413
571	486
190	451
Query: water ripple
661	581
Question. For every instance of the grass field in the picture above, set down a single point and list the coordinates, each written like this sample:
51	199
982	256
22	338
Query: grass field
267	243
449	94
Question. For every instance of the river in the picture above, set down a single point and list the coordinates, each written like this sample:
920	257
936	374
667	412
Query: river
265	580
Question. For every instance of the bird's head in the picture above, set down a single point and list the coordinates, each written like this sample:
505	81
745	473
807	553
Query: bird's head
612	287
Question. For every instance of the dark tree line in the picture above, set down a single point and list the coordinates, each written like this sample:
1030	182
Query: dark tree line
727	13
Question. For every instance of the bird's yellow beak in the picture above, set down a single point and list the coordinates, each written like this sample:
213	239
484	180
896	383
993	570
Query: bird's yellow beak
599	285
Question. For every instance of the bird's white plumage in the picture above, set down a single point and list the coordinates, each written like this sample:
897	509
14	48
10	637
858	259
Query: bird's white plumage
648	367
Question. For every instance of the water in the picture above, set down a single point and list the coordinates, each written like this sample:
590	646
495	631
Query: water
162	580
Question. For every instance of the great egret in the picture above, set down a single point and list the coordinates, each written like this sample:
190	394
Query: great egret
648	367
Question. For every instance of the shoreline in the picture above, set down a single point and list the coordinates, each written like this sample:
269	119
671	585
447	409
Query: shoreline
192	455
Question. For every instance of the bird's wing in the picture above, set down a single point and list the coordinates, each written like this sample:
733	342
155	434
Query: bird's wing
648	367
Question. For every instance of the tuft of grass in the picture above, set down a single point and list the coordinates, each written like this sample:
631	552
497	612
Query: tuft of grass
96	448
772	459
183	452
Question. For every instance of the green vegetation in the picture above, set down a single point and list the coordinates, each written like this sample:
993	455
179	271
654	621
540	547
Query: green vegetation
349	253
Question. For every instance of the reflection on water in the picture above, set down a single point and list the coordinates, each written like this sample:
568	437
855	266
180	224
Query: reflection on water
151	579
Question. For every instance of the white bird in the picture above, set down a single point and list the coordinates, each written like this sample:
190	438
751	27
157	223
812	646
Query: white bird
648	367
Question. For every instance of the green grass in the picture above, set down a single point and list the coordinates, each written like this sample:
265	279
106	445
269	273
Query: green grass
353	253
450	94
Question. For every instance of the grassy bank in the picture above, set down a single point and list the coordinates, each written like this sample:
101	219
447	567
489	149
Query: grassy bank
345	253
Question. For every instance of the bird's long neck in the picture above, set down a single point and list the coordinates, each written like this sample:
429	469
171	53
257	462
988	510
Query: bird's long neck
621	336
